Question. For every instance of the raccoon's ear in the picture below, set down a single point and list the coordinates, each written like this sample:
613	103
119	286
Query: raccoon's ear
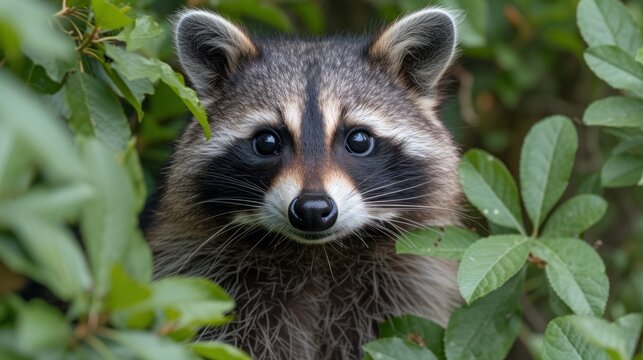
210	48
418	47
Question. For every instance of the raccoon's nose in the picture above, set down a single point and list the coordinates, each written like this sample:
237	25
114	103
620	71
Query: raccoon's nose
312	212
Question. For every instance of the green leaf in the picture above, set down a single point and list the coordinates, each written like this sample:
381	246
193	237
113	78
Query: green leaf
218	351
447	243
124	290
37	128
576	273
39	327
608	22
546	162
490	188
110	219
108	16
615	111
622	170
575	216
639	56
486	329
189	301
123	89
397	349
132	66
95	111
138	258
631	325
564	341
417	330
148	346
616	67
187	95
57	255
31	21
63	204
141	33
490	262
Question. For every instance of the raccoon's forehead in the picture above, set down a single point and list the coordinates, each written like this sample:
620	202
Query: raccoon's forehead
327	82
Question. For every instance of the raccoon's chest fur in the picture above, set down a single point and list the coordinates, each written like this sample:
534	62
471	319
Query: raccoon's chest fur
322	303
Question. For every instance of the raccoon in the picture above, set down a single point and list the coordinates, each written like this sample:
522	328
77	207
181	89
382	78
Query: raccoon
323	152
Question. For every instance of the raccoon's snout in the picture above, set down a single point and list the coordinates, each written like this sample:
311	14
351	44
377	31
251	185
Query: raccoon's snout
312	212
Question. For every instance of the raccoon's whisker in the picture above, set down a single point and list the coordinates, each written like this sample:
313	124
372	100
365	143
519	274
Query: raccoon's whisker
237	181
232	201
424	183
330	268
222	229
391	184
222	214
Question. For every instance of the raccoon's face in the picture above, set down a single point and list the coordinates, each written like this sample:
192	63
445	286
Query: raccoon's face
315	140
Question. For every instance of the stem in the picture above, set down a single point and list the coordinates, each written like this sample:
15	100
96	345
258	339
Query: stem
100	347
88	40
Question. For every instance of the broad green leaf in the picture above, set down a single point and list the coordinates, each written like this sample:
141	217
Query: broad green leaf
447	243
564	341
486	329
546	162
132	66
109	16
15	258
397	349
631	325
149	346
575	216
138	258
616	67
188	301
95	111
187	95
490	262
607	22
57	255
124	291
40	326
141	33
639	56
576	273
121	88
490	188
31	22
622	170
609	337
615	111
63	204
218	351
110	219
591	185
130	159
415	329
631	146
37	128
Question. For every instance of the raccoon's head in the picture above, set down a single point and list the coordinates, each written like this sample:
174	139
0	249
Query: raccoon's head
314	140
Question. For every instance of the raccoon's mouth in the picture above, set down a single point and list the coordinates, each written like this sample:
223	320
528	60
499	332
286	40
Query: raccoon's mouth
312	238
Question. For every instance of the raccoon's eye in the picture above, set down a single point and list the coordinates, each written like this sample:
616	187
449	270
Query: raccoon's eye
359	142
267	143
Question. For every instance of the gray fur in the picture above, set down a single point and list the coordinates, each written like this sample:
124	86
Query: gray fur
297	301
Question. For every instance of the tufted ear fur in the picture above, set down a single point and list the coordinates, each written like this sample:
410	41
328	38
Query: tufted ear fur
210	48
418	47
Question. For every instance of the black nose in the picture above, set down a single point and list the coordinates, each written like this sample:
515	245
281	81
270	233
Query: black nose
312	212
